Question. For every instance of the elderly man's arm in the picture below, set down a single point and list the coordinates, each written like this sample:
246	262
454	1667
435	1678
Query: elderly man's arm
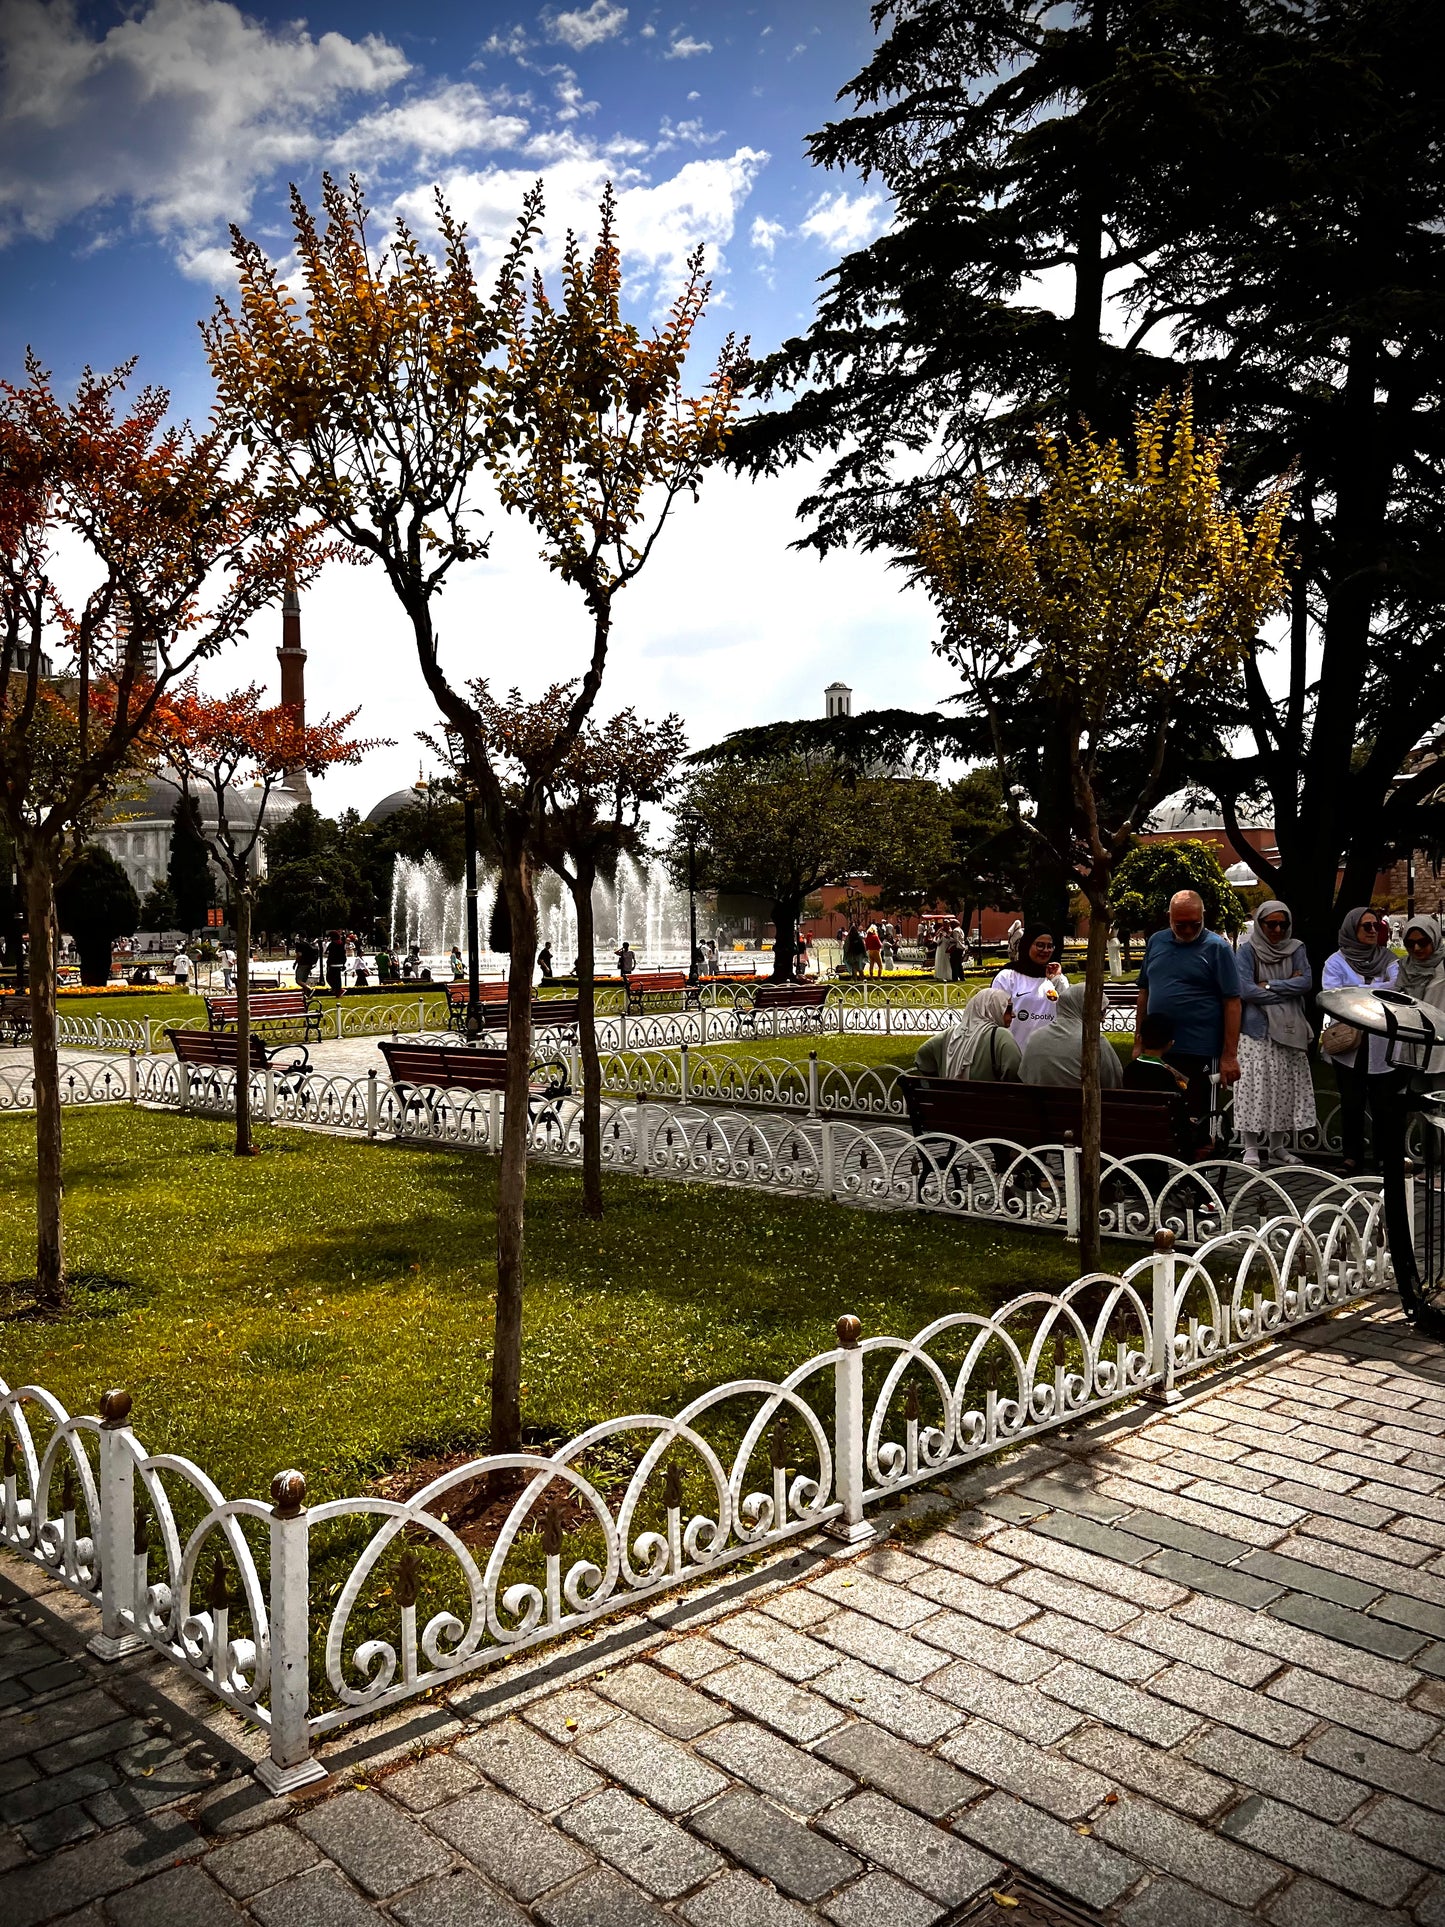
1229	1052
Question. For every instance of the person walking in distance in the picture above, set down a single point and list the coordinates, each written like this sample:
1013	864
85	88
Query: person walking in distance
1189	976
335	963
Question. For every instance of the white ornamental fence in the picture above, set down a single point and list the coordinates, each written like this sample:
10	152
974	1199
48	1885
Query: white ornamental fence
303	1617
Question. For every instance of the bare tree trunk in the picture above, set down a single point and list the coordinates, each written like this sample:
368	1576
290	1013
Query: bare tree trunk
587	1039
49	1181
1095	965
244	1146
516	881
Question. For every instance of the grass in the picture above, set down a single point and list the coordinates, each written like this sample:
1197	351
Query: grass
259	1318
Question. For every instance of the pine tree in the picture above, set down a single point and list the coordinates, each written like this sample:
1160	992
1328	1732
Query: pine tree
188	869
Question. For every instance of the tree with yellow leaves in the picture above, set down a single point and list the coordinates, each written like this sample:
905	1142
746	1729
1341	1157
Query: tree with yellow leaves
407	404
1126	587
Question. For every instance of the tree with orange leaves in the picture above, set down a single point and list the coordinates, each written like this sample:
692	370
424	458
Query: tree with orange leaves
183	538
405	403
216	744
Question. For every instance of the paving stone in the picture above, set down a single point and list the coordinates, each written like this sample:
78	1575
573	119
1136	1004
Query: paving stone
1377	1473
1003	1760
659	1856
1179	1639
1408	1829
1086	1869
1184	1533
1193	1525
1230	1705
695	1658
798	1607
430	1781
1021	1709
1073	1640
1421	1781
1268	1769
513	1756
459	1899
381	1849
1306	1903
736	1901
912	1712
1350	1628
1383	1574
1305	1639
1118	1703
1367	1539
519	1851
1317	1848
958	1551
61	1827
1162	1839
1383	1720
894	1605
1070	1562
1075	1496
965	1595
659	1769
1071	1529
1430	1911
244	1867
181	1897
1084	1603
62	1719
660	1700
883	1646
1000	1652
1223	1582
775	1646
1164	1903
919	1780
926	1856
95	1868
785	1773
1239	1504
775	1845
1402	1611
28	1802
599	1899
320	1898
563	1716
878	1900
1339	1505
238	1806
792	1710
118	1736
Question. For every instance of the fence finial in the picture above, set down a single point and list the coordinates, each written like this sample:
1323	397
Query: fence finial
115	1407
1163	1239
288	1492
850	1331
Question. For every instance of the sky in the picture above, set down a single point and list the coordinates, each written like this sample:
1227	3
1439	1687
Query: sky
130	138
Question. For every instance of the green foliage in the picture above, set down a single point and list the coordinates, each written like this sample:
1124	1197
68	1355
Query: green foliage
188	868
499	927
96	904
988	860
159	909
1151	873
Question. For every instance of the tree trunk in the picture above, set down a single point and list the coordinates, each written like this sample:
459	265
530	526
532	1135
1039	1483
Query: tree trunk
244	1146
785	937
39	879
1090	1164
516	882
587	1039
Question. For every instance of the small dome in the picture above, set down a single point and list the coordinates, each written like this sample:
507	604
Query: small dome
406	799
154	799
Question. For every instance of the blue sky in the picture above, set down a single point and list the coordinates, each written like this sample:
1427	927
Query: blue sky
128	140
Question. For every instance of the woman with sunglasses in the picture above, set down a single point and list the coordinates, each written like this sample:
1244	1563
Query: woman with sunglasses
1032	983
1363	1077
1275	1094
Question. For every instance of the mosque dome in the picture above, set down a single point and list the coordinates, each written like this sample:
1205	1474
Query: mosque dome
406	799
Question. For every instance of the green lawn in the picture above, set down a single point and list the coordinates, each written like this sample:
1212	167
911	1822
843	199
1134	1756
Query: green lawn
330	1303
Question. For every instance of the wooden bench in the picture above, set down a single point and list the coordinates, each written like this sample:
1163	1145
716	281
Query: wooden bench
210	1051
459	998
1135	1123
658	983
809	998
428	1068
17	1019
268	1007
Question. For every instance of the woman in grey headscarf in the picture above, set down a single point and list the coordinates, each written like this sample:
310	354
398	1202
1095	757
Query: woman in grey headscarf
978	1047
1056	1054
1364	957
1422	976
1275	1093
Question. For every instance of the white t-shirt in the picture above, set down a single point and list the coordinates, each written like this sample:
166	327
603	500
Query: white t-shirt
1033	1000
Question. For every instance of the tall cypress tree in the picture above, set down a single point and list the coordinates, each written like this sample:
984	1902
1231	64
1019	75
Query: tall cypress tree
188	869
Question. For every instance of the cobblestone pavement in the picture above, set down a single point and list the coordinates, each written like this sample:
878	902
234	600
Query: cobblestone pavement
1186	1668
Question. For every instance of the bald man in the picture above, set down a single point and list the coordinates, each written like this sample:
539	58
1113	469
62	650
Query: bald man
1189	976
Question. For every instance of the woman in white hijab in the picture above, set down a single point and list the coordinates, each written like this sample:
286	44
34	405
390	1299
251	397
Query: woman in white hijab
1055	1055
1275	1094
979	1047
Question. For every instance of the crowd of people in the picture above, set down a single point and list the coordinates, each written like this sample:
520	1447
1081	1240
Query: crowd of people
1211	1015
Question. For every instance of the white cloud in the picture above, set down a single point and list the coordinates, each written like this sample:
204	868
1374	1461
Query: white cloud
513	43
843	221
454	119
690	132
587	26
180	110
765	234
683	47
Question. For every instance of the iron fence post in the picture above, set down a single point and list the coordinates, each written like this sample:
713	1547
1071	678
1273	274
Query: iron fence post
289	1764
812	1083
132	1078
1073	1158
114	1532
1165	1312
373	1104
848	1470
684	1086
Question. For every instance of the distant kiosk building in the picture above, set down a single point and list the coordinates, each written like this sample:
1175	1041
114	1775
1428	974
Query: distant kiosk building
837	700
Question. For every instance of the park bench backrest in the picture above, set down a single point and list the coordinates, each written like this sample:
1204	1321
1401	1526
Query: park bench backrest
555	1010
789	996
660	981
266	1006
447	1067
215	1049
458	995
1135	1123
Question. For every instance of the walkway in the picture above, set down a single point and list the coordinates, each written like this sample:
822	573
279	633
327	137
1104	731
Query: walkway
1184	1669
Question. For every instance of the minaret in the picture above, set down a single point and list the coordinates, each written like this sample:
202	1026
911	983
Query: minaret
837	700
292	658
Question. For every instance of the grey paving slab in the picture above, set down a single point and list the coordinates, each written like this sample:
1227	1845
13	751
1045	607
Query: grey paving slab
668	1775
1230	1705
562	1716
458	1899
1086	1869
1140	1588
1315	1847
1408	1829
928	1857
920	1780
1361	1758
599	1899
1167	1776
655	1853
511	1845
1329	1699
1001	1652
320	1898
96	1867
894	1605
780	1648
794	1711
1167	1903
795	1779
912	1712
244	1867
877	1899
901	1654
1196	1855
1022	1709
1084	1603
428	1782
660	1700
776	1846
381	1848
513	1756
1173	1638
180	1897
1311	1635
1134	1709
1071	1639
1224	1582
1269	1769
1308	1903
1003	1760
735	1900
994	1606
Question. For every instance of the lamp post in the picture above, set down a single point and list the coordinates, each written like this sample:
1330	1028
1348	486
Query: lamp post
691	911
458	748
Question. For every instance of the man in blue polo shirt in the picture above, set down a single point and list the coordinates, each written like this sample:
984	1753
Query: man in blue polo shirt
1188	976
